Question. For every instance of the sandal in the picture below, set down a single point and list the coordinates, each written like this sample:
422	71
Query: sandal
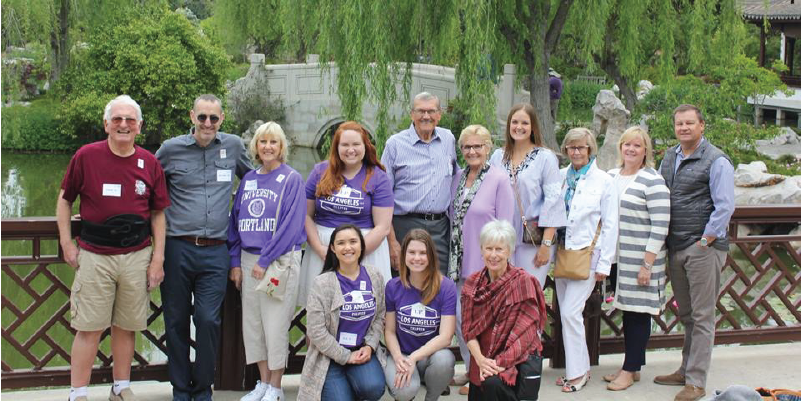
611	377
572	388
561	380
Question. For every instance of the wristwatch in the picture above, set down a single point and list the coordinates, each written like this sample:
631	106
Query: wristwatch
704	242
547	242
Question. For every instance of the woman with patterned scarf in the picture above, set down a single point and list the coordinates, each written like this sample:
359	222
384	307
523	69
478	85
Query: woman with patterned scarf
480	193
591	203
503	316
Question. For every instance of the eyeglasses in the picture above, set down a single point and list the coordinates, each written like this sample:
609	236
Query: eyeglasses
214	118
468	148
423	112
574	149
128	120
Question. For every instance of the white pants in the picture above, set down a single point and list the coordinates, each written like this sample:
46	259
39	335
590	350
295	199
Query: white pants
572	295
524	258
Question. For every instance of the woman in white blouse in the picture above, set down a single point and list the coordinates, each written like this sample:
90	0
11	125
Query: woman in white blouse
533	171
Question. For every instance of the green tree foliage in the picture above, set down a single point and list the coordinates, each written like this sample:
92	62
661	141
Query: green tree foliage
58	23
718	95
158	58
31	128
249	22
634	39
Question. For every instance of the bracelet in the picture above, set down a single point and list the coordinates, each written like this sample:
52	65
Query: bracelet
647	265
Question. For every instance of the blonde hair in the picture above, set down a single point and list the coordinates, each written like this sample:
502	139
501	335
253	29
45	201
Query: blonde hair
477	130
578	134
271	130
631	133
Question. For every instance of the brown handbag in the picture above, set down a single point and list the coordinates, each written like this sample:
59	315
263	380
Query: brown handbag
532	233
574	264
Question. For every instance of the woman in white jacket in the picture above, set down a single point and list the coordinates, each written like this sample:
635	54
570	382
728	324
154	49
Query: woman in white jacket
591	204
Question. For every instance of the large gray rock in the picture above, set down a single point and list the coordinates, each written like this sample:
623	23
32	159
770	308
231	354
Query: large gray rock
786	192
643	87
786	143
610	119
755	174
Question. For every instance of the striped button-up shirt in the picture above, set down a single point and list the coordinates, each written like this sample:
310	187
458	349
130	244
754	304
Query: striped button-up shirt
420	172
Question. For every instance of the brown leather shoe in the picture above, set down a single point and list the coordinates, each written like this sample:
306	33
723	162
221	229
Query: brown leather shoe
673	379
690	393
611	377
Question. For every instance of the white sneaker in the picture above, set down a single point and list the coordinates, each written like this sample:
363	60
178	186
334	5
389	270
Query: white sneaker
273	394
258	392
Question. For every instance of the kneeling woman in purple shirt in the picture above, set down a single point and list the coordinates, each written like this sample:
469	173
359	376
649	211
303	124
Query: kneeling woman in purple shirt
344	320
421	320
266	230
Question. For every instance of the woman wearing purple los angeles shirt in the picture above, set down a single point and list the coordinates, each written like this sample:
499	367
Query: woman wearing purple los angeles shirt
350	187
266	228
345	317
421	320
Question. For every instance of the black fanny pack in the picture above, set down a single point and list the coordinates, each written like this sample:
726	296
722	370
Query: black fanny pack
120	231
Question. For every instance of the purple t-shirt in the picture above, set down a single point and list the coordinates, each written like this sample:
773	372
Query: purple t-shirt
357	313
352	204
415	323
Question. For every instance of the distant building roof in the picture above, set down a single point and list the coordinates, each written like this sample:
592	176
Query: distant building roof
776	10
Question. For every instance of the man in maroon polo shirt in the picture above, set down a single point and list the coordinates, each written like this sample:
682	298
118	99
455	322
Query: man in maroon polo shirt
123	197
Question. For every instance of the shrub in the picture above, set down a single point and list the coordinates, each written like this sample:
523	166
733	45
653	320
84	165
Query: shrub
158	58
34	127
577	100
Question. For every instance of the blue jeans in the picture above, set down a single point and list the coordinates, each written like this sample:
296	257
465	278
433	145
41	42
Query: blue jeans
354	382
201	272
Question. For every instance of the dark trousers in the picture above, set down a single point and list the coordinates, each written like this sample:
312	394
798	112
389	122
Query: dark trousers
636	332
492	389
440	231
201	273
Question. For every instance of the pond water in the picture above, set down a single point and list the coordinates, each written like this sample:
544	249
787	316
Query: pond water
30	185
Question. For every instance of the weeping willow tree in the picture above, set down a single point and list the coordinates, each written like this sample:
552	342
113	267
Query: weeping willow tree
375	43
629	39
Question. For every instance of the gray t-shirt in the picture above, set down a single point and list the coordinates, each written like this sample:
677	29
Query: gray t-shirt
200	183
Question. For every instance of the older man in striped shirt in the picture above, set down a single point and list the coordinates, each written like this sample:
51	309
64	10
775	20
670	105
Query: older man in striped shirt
421	163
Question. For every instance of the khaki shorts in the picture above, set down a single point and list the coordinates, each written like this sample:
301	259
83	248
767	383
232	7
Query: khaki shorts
110	290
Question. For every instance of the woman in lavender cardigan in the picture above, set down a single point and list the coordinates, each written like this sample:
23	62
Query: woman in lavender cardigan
481	193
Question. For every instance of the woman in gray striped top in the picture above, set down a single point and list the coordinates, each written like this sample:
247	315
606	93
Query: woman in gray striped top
644	217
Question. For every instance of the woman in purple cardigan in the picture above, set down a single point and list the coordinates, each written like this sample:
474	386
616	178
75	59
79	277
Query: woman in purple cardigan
481	193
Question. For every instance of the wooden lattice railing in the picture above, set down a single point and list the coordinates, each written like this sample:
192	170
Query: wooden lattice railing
760	301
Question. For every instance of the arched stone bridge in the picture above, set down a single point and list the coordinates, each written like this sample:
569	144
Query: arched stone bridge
312	104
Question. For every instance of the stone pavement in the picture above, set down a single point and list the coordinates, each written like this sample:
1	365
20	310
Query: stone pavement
771	366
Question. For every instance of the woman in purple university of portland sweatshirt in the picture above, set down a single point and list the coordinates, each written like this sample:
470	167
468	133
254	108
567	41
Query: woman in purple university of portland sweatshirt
266	228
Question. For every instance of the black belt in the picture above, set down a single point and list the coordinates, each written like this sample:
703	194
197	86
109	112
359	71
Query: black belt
427	216
120	231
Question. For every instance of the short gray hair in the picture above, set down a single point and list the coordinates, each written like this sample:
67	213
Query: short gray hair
498	232
122	100
425	97
207	97
578	134
273	130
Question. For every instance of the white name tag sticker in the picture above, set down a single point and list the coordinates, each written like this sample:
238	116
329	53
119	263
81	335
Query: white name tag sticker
418	310
223	175
357	297
140	163
251	185
347	339
363	285
223	155
280	177
114	190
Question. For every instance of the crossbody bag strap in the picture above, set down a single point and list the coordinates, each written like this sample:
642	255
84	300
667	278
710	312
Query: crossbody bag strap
520	206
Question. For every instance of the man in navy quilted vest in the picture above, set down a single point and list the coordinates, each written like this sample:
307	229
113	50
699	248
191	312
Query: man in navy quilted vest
701	182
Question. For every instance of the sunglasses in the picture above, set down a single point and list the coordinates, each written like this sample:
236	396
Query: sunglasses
214	118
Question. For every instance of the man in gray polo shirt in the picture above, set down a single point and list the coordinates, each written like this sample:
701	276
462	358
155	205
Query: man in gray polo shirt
200	168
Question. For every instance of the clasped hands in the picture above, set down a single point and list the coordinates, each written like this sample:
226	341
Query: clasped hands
362	355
